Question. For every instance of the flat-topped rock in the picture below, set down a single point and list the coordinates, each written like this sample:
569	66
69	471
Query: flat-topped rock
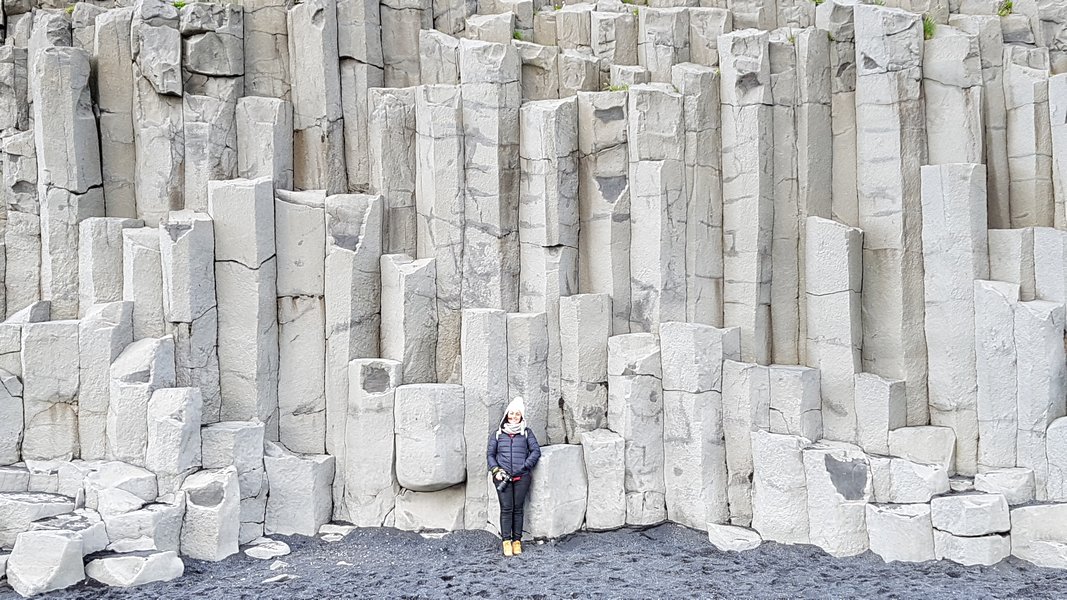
135	568
19	509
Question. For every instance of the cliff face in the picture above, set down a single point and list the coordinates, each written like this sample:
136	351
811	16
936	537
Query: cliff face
784	265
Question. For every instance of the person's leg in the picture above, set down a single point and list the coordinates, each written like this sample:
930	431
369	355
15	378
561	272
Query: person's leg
522	487
507	509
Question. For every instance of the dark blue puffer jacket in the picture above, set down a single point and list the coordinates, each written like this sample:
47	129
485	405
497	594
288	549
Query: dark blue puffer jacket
517	454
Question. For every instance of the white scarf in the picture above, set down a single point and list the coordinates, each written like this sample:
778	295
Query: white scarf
514	428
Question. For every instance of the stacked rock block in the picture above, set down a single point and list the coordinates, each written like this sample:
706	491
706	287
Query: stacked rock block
771	270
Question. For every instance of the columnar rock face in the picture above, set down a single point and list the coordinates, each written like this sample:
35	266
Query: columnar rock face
353	306
1029	146
693	443
300	499
430	446
246	271
635	411
68	165
1041	377
369	461
954	255
748	188
439	205
391	142
187	246
996	365
318	137
746	409
438	212
604	202
604	453
142	368
890	148
490	99
839	484
483	344
299	217
833	325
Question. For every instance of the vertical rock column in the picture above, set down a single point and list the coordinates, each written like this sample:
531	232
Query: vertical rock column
890	148
485	394
491	97
699	87
1057	109
246	272
212	69
113	58
812	120
409	316
604	202
352	289
548	225
748	189
369	467
693	444
359	42
22	232
50	360
391	143
103	333
158	128
1042	382
746	399
100	260
266	48
265	140
13	101
990	36
401	22
439	197
995	303
1029	145
832	285
68	169
186	248
613	40
662	40
585	326
142	280
837	19
318	136
955	253
785	243
658	208
635	411
528	372
300	240
952	89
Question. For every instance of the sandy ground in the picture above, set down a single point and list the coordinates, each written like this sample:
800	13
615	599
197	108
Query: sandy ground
665	561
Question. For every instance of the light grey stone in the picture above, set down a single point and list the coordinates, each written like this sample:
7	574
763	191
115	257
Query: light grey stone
839	485
430	446
370	473
174	446
85	523
430	511
558	493
300	500
995	361
210	529
44	561
746	409
779	491
483	346
604	455
266	45
409	316
1037	534
528	349
50	390
901	532
733	538
970	514
965	550
260	154
19	509
142	368
1041	378
881	407
131	570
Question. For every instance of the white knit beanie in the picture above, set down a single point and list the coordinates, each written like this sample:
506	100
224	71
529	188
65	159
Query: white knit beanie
516	405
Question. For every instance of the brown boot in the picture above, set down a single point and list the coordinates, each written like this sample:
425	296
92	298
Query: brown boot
507	548
516	547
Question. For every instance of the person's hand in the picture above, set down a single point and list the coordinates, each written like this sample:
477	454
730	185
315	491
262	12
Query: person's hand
499	474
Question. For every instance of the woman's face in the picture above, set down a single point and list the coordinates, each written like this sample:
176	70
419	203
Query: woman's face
514	416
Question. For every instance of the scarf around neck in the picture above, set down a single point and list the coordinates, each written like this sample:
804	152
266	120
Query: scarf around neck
514	428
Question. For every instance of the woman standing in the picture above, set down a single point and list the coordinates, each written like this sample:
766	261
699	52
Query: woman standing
513	453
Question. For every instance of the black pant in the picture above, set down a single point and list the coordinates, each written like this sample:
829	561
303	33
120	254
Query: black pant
512	500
